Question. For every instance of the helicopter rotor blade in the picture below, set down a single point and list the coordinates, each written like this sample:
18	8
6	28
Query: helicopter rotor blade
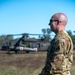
25	34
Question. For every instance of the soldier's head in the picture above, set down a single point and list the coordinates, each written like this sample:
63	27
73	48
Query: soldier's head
58	22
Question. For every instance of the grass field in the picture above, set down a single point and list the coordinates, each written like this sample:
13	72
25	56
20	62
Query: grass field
24	64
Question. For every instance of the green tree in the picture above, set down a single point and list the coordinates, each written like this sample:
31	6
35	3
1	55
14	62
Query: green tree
4	38
44	31
71	35
48	31
46	34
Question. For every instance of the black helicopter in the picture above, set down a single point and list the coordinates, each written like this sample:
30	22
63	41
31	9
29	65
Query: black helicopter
26	44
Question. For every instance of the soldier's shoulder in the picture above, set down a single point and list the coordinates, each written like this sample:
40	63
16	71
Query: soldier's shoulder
63	35
60	40
63	38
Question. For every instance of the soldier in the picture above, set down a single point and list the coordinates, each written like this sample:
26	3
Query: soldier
60	53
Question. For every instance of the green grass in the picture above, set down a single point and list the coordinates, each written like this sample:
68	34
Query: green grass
24	64
16	71
21	64
73	70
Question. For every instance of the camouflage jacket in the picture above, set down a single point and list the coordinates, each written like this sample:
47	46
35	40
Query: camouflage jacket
60	54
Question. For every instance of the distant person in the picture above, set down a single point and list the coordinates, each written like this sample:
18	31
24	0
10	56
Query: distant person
60	53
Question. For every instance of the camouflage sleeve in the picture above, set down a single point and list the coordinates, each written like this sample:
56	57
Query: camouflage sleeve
60	56
47	67
55	56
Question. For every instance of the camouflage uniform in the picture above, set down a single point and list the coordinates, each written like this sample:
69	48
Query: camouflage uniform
59	56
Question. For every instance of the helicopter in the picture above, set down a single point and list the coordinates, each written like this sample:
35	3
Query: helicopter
26	44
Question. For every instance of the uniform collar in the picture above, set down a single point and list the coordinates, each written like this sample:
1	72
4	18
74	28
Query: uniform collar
60	32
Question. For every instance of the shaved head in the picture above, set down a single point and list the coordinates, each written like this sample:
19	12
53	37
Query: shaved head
58	22
61	17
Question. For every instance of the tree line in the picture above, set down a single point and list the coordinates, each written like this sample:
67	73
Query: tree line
46	36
